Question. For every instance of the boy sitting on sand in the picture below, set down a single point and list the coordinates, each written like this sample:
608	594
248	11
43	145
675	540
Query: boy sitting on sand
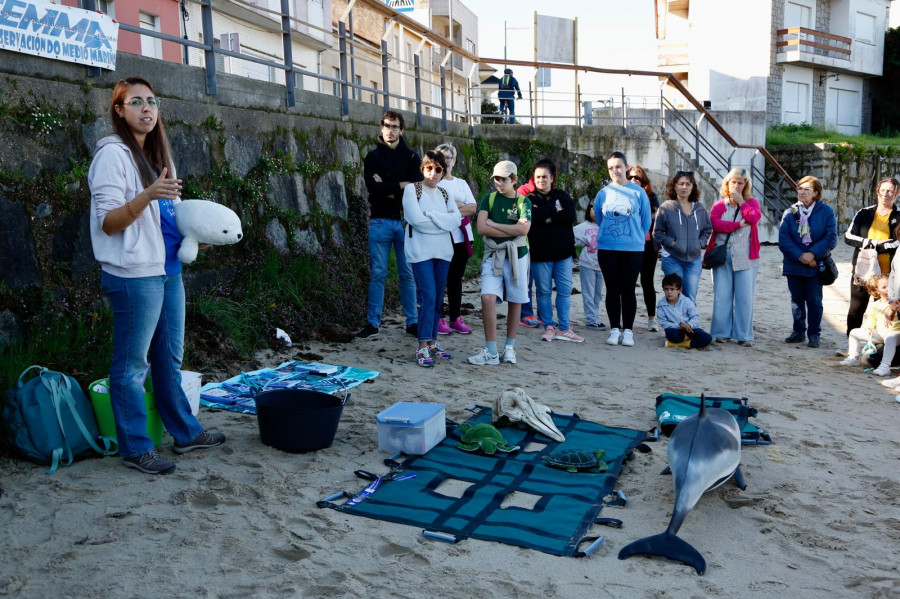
678	316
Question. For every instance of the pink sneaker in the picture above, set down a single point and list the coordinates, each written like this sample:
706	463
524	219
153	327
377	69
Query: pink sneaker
443	329
549	334
459	326
569	336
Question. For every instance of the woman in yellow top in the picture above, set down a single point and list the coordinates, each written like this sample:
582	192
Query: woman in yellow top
873	226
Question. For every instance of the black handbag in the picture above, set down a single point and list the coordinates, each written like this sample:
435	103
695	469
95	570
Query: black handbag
828	270
717	254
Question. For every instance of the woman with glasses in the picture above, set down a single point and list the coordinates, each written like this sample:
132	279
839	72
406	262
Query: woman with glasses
637	176
623	214
807	234
430	215
872	227
682	230
461	194
133	195
734	219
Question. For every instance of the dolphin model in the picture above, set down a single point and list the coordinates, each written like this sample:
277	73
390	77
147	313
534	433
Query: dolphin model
704	452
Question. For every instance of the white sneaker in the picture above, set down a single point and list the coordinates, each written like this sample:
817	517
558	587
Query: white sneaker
614	337
891	383
484	357
849	362
652	326
883	370
509	355
628	338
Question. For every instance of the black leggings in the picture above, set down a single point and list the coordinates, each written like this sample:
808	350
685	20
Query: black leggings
620	273
648	269
859	301
454	279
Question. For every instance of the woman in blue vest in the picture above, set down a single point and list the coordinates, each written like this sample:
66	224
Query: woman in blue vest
808	233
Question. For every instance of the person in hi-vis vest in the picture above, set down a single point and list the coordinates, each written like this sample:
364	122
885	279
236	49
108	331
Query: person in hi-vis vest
509	87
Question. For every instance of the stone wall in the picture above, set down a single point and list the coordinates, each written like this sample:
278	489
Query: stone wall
848	173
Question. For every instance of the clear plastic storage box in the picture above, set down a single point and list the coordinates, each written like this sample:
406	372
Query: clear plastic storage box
411	427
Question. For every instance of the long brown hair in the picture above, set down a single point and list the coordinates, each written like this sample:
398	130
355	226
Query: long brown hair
645	180
155	155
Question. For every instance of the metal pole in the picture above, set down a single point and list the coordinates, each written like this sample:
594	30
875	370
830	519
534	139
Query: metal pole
624	116
418	74
385	76
504	45
92	6
662	113
533	112
444	100
342	44
288	52
357	93
209	55
578	109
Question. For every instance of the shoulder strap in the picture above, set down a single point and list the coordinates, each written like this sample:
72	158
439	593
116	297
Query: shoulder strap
418	188
24	372
520	204
444	193
491	200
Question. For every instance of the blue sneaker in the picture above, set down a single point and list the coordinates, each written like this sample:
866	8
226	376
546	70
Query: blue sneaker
438	352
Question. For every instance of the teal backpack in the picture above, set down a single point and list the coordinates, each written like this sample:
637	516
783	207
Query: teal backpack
48	419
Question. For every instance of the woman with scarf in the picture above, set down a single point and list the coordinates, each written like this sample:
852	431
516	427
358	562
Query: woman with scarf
808	233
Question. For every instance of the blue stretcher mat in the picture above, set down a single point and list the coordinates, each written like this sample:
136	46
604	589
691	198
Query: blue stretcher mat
565	504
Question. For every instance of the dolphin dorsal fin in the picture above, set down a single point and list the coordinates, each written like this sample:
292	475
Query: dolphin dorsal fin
702	405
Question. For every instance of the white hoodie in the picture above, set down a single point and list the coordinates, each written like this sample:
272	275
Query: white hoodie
139	249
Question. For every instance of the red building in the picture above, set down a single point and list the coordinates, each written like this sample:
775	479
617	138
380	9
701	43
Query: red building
158	15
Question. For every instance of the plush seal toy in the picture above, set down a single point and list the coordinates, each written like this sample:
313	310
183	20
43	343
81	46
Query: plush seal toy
202	221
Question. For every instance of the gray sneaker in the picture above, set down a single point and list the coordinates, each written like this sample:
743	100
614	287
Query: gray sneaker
484	358
150	463
509	354
201	441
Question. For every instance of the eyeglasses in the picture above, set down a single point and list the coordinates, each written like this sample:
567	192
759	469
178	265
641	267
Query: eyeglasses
434	167
684	174
805	189
390	127
139	102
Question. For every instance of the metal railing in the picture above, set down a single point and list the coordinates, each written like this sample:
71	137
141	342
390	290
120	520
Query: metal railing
814	42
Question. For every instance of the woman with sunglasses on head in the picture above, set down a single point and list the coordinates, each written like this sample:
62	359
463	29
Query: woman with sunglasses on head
133	195
734	219
807	234
623	214
430	216
461	194
637	176
682	230
873	227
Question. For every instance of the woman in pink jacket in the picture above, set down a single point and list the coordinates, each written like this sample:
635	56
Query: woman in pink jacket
734	220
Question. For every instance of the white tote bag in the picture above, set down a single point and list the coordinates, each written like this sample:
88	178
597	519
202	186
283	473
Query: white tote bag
866	266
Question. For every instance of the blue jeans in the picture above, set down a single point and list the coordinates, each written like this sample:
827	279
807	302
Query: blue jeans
511	103
688	271
806	304
148	316
545	273
527	308
591	294
733	291
384	233
431	278
699	338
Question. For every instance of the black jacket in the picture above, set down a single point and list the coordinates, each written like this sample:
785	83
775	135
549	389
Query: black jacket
393	166
551	237
858	231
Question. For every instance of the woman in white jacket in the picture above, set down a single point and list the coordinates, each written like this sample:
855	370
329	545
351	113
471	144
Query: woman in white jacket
133	233
430	217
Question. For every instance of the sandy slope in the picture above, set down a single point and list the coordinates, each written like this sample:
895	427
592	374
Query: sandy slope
820	517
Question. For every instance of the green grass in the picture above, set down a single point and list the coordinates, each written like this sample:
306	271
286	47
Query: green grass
783	135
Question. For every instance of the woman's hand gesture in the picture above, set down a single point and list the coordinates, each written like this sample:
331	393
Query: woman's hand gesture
164	187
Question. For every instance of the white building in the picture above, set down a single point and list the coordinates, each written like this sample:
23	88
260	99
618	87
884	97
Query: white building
799	61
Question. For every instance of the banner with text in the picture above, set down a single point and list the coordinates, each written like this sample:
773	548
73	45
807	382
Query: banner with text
40	28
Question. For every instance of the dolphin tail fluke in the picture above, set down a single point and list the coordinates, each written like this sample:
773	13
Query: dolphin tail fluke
666	545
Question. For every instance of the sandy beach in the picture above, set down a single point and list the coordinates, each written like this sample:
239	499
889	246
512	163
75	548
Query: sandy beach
820	516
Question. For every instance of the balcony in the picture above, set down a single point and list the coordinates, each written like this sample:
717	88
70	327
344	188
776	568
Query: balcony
673	57
815	49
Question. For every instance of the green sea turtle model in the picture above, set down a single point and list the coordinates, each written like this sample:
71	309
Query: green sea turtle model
485	437
577	460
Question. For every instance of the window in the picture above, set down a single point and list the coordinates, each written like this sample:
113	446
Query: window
847	109
357	92
470	46
795	103
336	86
150	46
865	28
797	15
373	97
107	7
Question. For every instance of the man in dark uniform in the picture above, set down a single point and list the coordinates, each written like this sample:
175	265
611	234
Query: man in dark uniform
387	170
508	88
